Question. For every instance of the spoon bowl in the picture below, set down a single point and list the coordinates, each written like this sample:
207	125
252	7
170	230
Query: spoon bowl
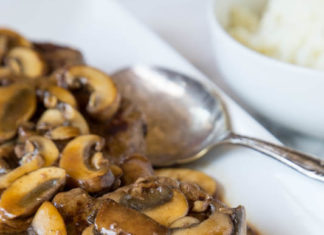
183	116
186	118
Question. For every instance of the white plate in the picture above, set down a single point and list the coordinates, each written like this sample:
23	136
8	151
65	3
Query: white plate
278	200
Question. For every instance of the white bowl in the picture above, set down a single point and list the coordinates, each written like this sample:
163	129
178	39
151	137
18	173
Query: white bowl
289	95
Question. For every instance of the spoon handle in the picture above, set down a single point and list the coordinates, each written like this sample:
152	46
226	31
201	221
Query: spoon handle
299	161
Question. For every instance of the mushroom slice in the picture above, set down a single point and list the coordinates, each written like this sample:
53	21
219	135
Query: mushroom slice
3	46
74	118
9	39
216	224
63	133
24	196
162	203
4	74
66	116
51	118
221	221
116	195
239	220
113	218
7	156
85	164
89	230
134	167
17	105
52	95
7	179
25	61
184	222
38	145
48	221
146	198
14	38
171	211
38	152
206	182
104	99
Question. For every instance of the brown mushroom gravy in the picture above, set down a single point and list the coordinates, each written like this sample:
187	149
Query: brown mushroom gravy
72	156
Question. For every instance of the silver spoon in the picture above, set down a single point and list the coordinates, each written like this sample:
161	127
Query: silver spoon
186	118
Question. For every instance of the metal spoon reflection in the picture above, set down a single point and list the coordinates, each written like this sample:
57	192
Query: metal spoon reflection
186	118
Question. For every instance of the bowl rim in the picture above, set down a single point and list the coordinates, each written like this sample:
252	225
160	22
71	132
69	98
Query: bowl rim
215	24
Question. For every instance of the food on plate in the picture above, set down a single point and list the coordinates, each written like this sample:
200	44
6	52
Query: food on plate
72	155
204	181
182	207
288	30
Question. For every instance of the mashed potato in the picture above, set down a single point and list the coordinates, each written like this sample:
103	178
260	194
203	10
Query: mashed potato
289	30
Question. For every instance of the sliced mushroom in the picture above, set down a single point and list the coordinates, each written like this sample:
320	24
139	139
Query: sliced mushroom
9	39
38	145
7	149
7	179
38	152
53	95
239	220
48	221
116	195
221	221
5	76
184	222
104	99
206	182
171	211
3	46
216	224
15	39
146	198
17	105
63	123
89	230
25	61
134	167
4	166
216	219
74	118
63	133
113	218
85	164
26	194
7	155
163	203
50	118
